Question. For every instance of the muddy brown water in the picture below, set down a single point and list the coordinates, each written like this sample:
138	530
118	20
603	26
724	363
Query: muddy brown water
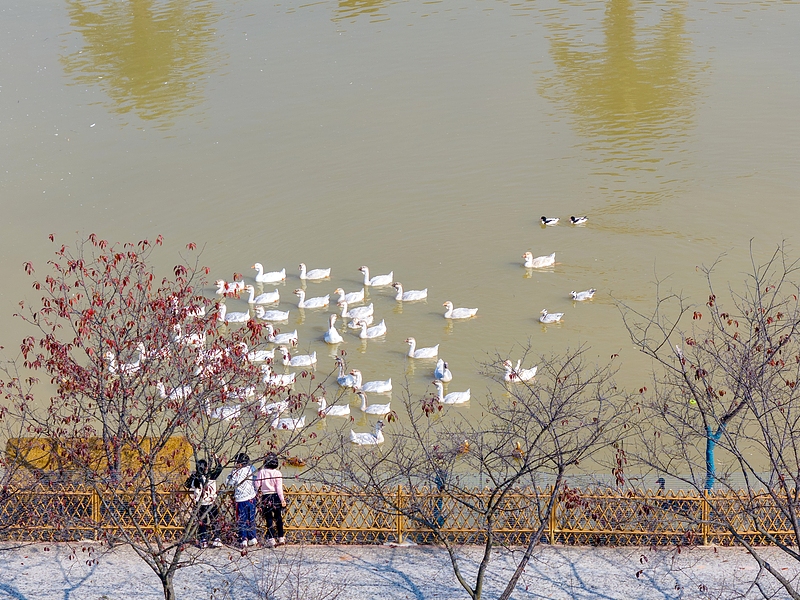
421	138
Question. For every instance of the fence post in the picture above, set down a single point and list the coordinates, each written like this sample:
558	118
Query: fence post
399	519
704	525
96	516
551	533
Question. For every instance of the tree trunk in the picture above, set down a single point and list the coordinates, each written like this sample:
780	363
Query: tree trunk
711	467
166	583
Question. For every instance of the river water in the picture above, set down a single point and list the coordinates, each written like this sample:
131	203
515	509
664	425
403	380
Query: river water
427	138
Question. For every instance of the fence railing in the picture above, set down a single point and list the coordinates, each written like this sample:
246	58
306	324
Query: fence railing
317	515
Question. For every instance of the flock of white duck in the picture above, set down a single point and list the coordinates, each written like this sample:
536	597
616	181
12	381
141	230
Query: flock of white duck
358	318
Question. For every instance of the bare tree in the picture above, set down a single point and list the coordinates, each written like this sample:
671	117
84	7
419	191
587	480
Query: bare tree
726	382
142	377
501	473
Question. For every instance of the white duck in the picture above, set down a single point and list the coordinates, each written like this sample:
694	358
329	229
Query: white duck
372	332
271	315
301	360
547	317
581	296
277	380
373	409
373	387
441	372
335	410
280	339
314	274
516	374
271	277
540	261
223	413
452	397
359	312
368	439
276	408
458	313
410	295
378	280
196	340
319	302
190	311
350	298
227	288
258	355
578	220
265	298
356	323
231	317
332	336
549	220
288	423
180	392
117	368
344	380
414	352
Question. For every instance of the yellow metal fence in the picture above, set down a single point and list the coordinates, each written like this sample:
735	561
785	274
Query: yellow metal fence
322	516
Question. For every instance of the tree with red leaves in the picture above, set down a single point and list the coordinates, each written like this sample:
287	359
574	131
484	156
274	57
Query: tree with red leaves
141	378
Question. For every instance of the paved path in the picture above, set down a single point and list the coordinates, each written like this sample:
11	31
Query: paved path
60	571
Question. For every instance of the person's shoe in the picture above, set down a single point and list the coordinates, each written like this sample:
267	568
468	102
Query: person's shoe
244	544
281	541
203	545
217	543
270	543
253	542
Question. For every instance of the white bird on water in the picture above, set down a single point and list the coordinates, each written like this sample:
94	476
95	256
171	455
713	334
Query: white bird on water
578	220
581	296
281	339
271	315
335	410
378	280
351	297
374	387
539	262
358	312
332	336
441	372
232	317
414	352
452	397
271	277
368	439
319	302
410	295
314	274
516	374
547	317
372	332
265	298
300	360
458	313
549	220
374	409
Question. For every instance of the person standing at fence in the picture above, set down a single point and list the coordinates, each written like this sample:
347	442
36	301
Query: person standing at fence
244	493
202	484
269	484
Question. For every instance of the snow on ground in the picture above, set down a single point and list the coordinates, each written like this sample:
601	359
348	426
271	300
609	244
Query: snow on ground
68	572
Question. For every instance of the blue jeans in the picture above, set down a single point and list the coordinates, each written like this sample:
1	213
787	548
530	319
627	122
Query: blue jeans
246	519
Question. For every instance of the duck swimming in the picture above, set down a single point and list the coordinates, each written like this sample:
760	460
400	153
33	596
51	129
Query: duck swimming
540	261
549	220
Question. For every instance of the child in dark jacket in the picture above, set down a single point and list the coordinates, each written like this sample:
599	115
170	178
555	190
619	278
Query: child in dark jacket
203	486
